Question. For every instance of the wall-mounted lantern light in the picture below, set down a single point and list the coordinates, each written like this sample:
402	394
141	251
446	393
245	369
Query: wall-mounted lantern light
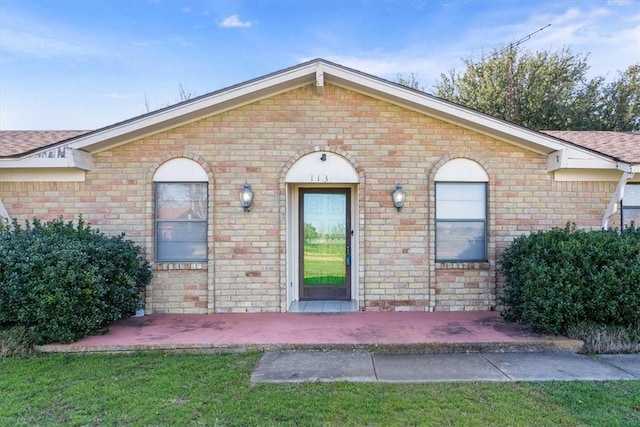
246	197
398	197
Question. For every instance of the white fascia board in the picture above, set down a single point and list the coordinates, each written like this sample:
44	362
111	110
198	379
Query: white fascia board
444	110
628	168
73	159
571	158
198	108
317	73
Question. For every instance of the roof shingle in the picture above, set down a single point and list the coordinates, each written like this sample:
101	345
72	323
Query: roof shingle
624	146
15	142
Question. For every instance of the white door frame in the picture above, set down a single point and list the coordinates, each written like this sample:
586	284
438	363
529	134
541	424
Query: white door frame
292	259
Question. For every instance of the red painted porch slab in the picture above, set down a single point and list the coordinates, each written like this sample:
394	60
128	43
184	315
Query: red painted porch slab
405	331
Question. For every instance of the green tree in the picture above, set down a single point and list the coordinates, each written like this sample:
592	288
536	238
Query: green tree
620	103
411	81
543	90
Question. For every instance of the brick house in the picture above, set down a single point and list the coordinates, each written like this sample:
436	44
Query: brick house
363	191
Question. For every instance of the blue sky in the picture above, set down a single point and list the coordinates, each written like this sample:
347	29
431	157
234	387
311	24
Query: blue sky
85	64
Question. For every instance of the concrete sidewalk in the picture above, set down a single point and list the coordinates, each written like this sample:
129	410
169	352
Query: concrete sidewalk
360	366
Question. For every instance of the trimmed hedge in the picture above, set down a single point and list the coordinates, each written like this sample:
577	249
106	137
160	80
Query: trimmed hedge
564	276
64	281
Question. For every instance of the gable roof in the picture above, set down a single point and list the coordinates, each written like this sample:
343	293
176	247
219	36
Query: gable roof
80	146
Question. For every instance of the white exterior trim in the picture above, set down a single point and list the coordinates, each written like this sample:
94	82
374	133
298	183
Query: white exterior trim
318	72
293	248
3	212
462	170
571	158
312	169
590	175
42	174
71	159
180	170
612	208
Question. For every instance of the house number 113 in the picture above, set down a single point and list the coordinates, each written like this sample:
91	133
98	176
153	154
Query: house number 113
319	178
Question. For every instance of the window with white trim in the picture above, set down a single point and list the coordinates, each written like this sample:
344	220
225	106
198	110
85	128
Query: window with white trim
180	207
631	205
461	212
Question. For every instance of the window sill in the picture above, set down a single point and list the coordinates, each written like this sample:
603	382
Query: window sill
463	265
164	265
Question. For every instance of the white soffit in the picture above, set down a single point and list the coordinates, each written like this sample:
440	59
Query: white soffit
322	167
42	174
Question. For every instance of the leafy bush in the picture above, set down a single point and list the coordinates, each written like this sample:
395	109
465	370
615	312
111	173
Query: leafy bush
64	281
565	276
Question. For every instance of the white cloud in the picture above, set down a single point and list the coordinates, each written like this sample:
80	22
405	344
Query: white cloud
234	21
117	95
609	35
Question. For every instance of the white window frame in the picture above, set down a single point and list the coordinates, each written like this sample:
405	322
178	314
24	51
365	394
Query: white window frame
633	206
180	171
462	172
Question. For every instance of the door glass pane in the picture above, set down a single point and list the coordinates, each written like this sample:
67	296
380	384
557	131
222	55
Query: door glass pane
324	239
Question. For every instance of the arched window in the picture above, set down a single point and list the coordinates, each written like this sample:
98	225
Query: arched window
181	200
461	212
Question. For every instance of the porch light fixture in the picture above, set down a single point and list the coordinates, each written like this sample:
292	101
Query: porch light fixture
246	197
398	197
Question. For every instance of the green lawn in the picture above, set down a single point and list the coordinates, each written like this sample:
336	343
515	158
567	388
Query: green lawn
214	390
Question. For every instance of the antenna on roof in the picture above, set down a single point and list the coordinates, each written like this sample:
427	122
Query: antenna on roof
522	40
511	112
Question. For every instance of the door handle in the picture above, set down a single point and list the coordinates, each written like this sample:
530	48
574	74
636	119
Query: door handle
348	256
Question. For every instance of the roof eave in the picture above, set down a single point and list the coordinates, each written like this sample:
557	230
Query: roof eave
73	159
195	109
445	110
319	71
